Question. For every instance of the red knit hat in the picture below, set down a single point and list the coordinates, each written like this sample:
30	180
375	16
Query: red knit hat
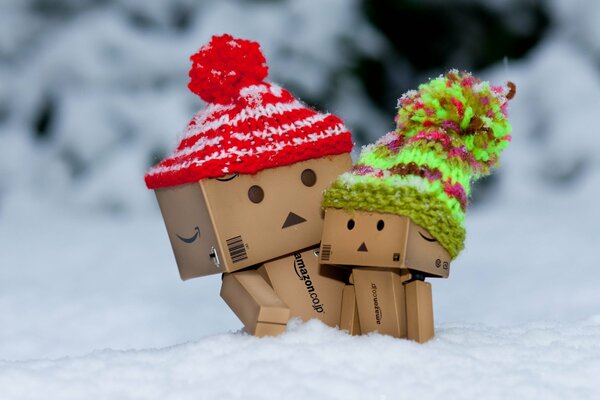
248	125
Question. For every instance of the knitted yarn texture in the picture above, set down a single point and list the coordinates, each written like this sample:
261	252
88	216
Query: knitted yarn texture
248	124
449	133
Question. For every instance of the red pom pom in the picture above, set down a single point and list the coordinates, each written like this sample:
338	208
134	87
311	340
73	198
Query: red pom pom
224	66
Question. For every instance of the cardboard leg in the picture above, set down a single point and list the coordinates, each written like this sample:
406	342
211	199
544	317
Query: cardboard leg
381	301
267	329
419	311
349	317
255	303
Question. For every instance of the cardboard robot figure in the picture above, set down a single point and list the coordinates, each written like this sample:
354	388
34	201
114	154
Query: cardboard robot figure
241	193
397	217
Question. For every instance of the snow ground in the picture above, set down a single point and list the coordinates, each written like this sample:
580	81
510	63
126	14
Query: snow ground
542	361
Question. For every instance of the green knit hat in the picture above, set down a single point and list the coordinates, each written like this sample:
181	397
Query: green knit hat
449	133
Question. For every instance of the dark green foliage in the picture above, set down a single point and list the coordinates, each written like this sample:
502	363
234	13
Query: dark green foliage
431	37
42	122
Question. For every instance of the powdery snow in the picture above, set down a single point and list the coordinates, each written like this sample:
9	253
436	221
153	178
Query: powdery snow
543	361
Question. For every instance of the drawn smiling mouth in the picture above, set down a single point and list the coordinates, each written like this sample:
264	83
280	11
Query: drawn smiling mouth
190	239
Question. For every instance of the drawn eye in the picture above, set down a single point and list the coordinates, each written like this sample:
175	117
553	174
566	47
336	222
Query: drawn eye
256	194
228	178
428	238
308	177
380	225
350	224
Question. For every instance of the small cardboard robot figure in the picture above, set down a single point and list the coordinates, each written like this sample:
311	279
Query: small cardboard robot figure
397	217
241	194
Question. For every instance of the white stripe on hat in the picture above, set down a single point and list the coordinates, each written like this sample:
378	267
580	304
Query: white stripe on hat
246	113
212	108
199	145
282	129
234	152
272	131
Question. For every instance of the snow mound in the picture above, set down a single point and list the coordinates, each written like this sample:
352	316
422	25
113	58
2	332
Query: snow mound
536	360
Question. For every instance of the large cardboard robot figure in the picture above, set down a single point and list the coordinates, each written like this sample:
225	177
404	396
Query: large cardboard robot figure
397	216
241	193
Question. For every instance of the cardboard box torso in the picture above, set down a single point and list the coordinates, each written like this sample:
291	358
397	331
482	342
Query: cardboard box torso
310	289
381	301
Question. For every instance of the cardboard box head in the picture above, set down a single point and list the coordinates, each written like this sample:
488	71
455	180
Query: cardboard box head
230	223
370	239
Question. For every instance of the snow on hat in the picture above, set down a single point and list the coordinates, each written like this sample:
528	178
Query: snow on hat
449	133
248	125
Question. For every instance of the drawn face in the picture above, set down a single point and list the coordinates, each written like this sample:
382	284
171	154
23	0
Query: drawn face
424	253
232	222
272	213
361	238
190	230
